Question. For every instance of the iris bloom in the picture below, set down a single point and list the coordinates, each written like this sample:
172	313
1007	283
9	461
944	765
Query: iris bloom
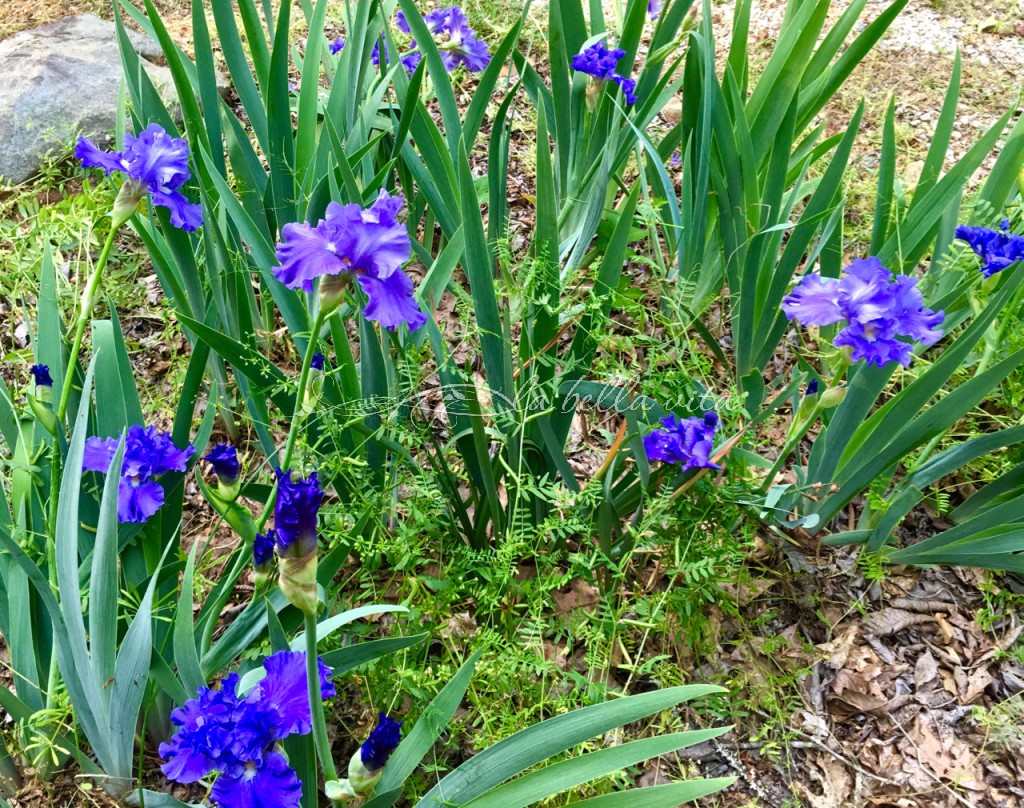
155	163
370	245
997	248
220	731
686	442
601	63
653	8
457	42
337	46
877	308
147	455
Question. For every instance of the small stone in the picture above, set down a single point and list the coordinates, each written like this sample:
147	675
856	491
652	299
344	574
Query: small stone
62	80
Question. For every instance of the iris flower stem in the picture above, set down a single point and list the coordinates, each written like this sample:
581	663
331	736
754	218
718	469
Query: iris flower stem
88	298
799	430
316	703
243	558
297	414
51	563
293	430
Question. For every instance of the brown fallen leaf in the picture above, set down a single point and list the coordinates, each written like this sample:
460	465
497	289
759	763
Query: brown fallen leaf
578	595
889	621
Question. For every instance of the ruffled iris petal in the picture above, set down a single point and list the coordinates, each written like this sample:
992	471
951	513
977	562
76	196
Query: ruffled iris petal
157	159
814	301
306	253
94	157
372	241
295	514
384	739
391	301
99	453
273	784
285	687
185	215
137	501
598	61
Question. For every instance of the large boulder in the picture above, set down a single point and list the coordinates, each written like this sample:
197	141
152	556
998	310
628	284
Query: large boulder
61	80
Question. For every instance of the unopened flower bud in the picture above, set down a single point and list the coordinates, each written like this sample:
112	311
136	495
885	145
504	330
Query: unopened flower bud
263	557
128	199
224	459
298	582
833	397
314	385
295	521
367	764
332	290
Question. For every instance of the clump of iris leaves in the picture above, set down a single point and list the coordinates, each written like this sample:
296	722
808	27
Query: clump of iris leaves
363	322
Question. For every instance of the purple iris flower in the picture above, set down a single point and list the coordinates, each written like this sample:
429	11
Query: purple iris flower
687	442
41	375
224	459
369	244
676	159
337	46
295	514
812	388
263	549
384	739
598	61
157	163
880	311
462	47
456	40
147	455
317	362
997	248
219	731
653	8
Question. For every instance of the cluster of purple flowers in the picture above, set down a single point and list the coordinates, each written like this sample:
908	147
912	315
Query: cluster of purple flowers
155	163
147	455
687	442
997	248
457	42
877	308
237	736
602	64
370	245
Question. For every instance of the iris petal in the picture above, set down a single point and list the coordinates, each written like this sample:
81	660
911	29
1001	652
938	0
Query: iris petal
392	301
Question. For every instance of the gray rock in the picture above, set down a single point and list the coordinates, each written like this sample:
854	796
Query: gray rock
61	80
